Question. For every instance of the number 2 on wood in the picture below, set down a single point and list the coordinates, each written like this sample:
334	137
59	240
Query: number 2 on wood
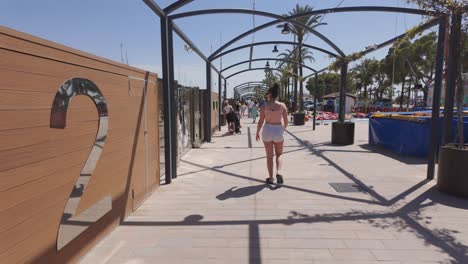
72	224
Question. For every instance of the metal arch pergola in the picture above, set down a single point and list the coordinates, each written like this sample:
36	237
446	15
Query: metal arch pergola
243	88
252	69
274	42
267	59
168	27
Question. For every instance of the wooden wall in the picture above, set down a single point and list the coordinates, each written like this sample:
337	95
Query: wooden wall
214	112
39	165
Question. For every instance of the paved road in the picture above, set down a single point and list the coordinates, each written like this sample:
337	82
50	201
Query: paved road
220	211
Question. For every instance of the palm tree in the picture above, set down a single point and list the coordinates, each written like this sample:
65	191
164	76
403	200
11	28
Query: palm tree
365	72
381	79
270	78
312	21
293	55
397	65
423	60
284	74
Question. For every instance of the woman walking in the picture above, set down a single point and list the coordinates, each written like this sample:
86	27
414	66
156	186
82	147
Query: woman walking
228	116
272	113
243	108
254	112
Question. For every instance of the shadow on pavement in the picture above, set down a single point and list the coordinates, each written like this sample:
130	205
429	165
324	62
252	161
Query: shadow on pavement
406	219
235	192
404	159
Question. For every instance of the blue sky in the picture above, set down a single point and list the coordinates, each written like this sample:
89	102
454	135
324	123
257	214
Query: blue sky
99	27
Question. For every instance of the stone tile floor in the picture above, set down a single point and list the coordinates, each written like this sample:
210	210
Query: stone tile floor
219	210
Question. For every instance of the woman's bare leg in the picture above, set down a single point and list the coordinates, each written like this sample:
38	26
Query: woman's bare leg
279	156
269	156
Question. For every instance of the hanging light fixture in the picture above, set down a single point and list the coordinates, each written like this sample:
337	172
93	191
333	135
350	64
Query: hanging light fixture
267	65
275	49
285	29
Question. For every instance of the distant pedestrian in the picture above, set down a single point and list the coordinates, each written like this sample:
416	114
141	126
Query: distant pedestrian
237	107
243	108
254	112
250	104
229	116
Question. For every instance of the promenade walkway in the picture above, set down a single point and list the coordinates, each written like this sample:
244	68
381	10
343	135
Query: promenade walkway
353	204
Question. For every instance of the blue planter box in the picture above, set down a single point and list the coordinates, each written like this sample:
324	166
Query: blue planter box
409	138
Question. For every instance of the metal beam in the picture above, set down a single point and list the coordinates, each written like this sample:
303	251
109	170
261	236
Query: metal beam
168	148
184	37
272	23
250	88
253	69
248	83
320	71
290	19
162	14
172	93
208	103
243	89
343	91
275	42
439	71
220	100
421	28
315	100
225	89
311	13
156	9
251	55
266	59
176	5
452	65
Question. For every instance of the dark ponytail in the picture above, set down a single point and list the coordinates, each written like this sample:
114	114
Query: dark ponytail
274	91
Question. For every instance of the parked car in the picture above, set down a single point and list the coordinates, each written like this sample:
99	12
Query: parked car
310	106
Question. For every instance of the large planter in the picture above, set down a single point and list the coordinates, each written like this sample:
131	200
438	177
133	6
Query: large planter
343	133
299	119
452	177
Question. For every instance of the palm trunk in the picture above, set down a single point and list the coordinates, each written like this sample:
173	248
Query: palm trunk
295	86
425	96
301	83
460	140
402	91
409	94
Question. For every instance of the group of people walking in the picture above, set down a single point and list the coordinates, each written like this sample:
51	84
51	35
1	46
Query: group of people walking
233	114
251	106
270	128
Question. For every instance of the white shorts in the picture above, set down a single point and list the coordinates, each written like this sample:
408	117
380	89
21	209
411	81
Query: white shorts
271	132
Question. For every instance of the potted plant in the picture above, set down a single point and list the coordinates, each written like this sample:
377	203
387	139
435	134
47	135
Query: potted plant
299	115
453	158
342	131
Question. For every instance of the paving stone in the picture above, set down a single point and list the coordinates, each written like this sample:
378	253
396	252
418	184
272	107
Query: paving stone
220	211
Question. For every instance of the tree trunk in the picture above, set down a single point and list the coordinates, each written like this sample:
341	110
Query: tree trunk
301	82
460	140
402	92
295	85
425	95
409	94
